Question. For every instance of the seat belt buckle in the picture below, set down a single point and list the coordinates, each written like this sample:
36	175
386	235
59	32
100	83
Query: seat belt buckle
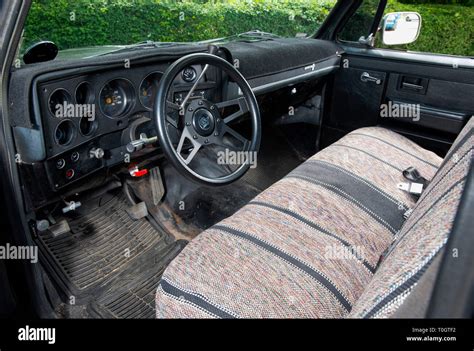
412	188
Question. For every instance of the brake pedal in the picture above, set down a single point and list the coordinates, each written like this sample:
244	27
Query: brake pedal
137	211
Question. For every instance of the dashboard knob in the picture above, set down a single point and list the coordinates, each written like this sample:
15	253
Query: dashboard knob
96	153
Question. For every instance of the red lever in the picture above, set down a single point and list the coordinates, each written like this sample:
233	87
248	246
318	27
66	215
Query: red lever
140	173
135	172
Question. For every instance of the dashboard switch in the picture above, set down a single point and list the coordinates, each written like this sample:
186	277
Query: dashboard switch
75	156
69	174
96	153
60	163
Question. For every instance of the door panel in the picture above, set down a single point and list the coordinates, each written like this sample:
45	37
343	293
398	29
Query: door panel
356	103
441	95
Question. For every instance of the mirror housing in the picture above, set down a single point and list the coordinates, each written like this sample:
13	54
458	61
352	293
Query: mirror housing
40	52
400	28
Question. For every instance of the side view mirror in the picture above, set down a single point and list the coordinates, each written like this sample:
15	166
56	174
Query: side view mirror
401	28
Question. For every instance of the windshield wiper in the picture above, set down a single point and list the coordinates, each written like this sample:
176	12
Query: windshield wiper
149	44
258	34
252	35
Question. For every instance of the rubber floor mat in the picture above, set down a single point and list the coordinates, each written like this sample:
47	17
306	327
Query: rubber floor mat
103	240
132	293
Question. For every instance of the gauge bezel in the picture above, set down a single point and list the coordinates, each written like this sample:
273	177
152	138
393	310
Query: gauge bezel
95	126
72	130
130	95
195	75
68	94
90	92
140	88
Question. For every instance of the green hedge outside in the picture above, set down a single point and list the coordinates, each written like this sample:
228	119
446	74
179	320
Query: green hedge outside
100	22
446	28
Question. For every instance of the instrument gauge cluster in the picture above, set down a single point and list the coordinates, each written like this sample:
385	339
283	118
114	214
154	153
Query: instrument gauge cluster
78	109
116	98
148	89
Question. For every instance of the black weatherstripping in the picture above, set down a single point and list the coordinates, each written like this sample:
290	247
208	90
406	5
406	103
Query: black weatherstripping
378	17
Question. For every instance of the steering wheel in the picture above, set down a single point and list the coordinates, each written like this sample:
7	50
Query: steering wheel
196	123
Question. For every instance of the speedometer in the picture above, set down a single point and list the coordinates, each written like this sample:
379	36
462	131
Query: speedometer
148	89
116	98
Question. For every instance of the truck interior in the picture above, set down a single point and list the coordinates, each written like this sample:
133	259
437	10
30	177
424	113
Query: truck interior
250	178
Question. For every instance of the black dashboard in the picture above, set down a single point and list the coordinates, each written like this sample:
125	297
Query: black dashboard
89	120
78	117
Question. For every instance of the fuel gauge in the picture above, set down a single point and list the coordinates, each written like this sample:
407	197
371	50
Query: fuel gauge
116	98
148	89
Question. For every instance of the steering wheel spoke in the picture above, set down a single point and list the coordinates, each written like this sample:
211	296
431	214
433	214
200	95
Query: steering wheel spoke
172	121
172	106
240	102
196	146
172	114
219	140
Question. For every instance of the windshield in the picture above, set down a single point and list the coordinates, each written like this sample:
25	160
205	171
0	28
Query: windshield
88	23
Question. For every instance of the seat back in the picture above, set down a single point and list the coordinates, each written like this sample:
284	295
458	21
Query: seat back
423	235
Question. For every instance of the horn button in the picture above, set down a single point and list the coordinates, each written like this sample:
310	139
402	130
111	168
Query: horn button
203	121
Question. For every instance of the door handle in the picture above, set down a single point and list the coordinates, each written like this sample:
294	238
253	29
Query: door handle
366	77
411	86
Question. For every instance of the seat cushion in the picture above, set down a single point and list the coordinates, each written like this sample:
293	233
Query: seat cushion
422	237
307	246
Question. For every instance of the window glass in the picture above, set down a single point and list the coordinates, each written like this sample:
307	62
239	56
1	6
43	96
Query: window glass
85	23
447	25
360	23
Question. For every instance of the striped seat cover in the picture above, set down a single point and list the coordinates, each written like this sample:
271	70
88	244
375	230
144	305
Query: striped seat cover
310	245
